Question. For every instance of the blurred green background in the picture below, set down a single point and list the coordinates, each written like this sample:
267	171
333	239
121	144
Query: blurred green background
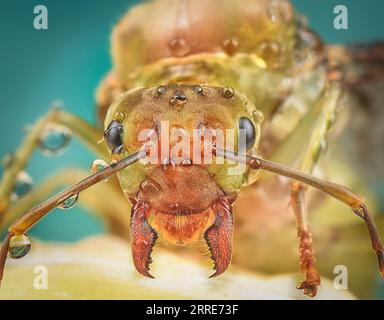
67	61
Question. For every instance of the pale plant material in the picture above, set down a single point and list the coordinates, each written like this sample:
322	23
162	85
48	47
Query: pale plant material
101	268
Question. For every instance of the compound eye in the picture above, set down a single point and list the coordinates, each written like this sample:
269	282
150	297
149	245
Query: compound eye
250	131
113	137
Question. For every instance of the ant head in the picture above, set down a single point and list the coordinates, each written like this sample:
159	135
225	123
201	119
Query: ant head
172	113
181	123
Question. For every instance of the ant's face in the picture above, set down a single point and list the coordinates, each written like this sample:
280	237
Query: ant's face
179	123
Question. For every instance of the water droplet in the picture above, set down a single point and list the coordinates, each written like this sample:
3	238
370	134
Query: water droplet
161	90
270	52
228	92
179	47
230	46
70	202
23	185
119	116
280	11
55	139
113	163
258	116
178	100
199	90
98	165
19	246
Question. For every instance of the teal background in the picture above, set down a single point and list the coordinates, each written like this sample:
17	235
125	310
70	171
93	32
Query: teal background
68	60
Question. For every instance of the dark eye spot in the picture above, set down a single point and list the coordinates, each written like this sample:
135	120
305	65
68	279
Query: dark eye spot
178	100
250	131
113	137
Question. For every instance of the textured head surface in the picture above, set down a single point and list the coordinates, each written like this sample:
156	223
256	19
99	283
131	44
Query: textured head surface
175	113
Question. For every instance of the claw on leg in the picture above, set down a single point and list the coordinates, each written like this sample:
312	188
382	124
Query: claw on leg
377	244
337	191
307	265
143	238
219	237
306	252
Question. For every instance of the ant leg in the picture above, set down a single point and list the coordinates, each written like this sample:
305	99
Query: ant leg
320	118
219	236
339	192
306	252
34	215
84	131
113	212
